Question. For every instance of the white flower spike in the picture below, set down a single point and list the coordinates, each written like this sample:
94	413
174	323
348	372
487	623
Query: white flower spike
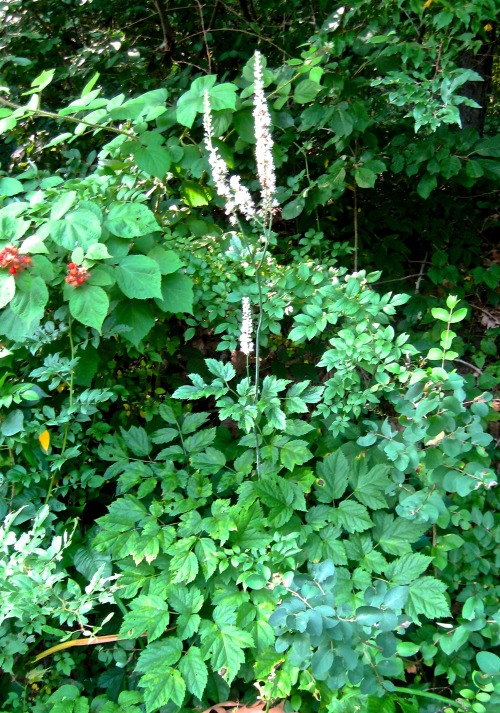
264	141
246	343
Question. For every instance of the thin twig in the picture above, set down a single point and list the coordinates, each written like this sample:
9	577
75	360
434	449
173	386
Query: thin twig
421	275
356	235
474	368
204	32
53	115
245	32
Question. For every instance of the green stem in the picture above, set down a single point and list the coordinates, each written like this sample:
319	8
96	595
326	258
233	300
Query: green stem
426	694
71	392
258	328
73	119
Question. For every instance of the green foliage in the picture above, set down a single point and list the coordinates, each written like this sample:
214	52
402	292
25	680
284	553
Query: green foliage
319	518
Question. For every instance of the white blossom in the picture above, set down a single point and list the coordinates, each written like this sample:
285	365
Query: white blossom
236	196
263	139
246	343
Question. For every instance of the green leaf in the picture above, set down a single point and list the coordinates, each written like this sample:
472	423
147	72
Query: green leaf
138	276
191	103
167	260
396	535
426	185
176	294
488	662
29	304
210	461
10	187
161	687
184	567
371	485
427	597
223	96
153	160
364	177
226	645
13	423
98	251
137	315
208	558
61	206
440	313
224	371
162	653
293	209
7	288
333	475
81	228
407	568
295	453
194	671
89	304
149	615
459	315
341	121
43	80
194	195
137	441
305	91
130	220
353	517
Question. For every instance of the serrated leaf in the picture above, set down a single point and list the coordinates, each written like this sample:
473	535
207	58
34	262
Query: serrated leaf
161	687
153	160
97	251
427	597
137	441
206	553
149	615
407	568
295	453
353	516
138	316
29	304
226	645
396	535
130	220
139	276
371	485
167	260
176	294
193	421
160	654
89	304
184	567
194	671
333	476
81	228
305	91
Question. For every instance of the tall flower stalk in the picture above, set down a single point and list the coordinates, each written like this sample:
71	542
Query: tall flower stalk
240	204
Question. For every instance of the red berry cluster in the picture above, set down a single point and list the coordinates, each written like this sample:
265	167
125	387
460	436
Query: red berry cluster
77	275
10	258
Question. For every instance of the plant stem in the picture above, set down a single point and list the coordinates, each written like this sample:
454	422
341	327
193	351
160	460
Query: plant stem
71	391
73	119
426	694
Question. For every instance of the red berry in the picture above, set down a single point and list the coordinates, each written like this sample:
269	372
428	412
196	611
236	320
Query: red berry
71	265
12	270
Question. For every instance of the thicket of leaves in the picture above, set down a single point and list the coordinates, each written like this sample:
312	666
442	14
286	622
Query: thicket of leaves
175	536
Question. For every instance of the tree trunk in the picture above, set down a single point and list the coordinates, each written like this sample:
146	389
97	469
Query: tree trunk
482	63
